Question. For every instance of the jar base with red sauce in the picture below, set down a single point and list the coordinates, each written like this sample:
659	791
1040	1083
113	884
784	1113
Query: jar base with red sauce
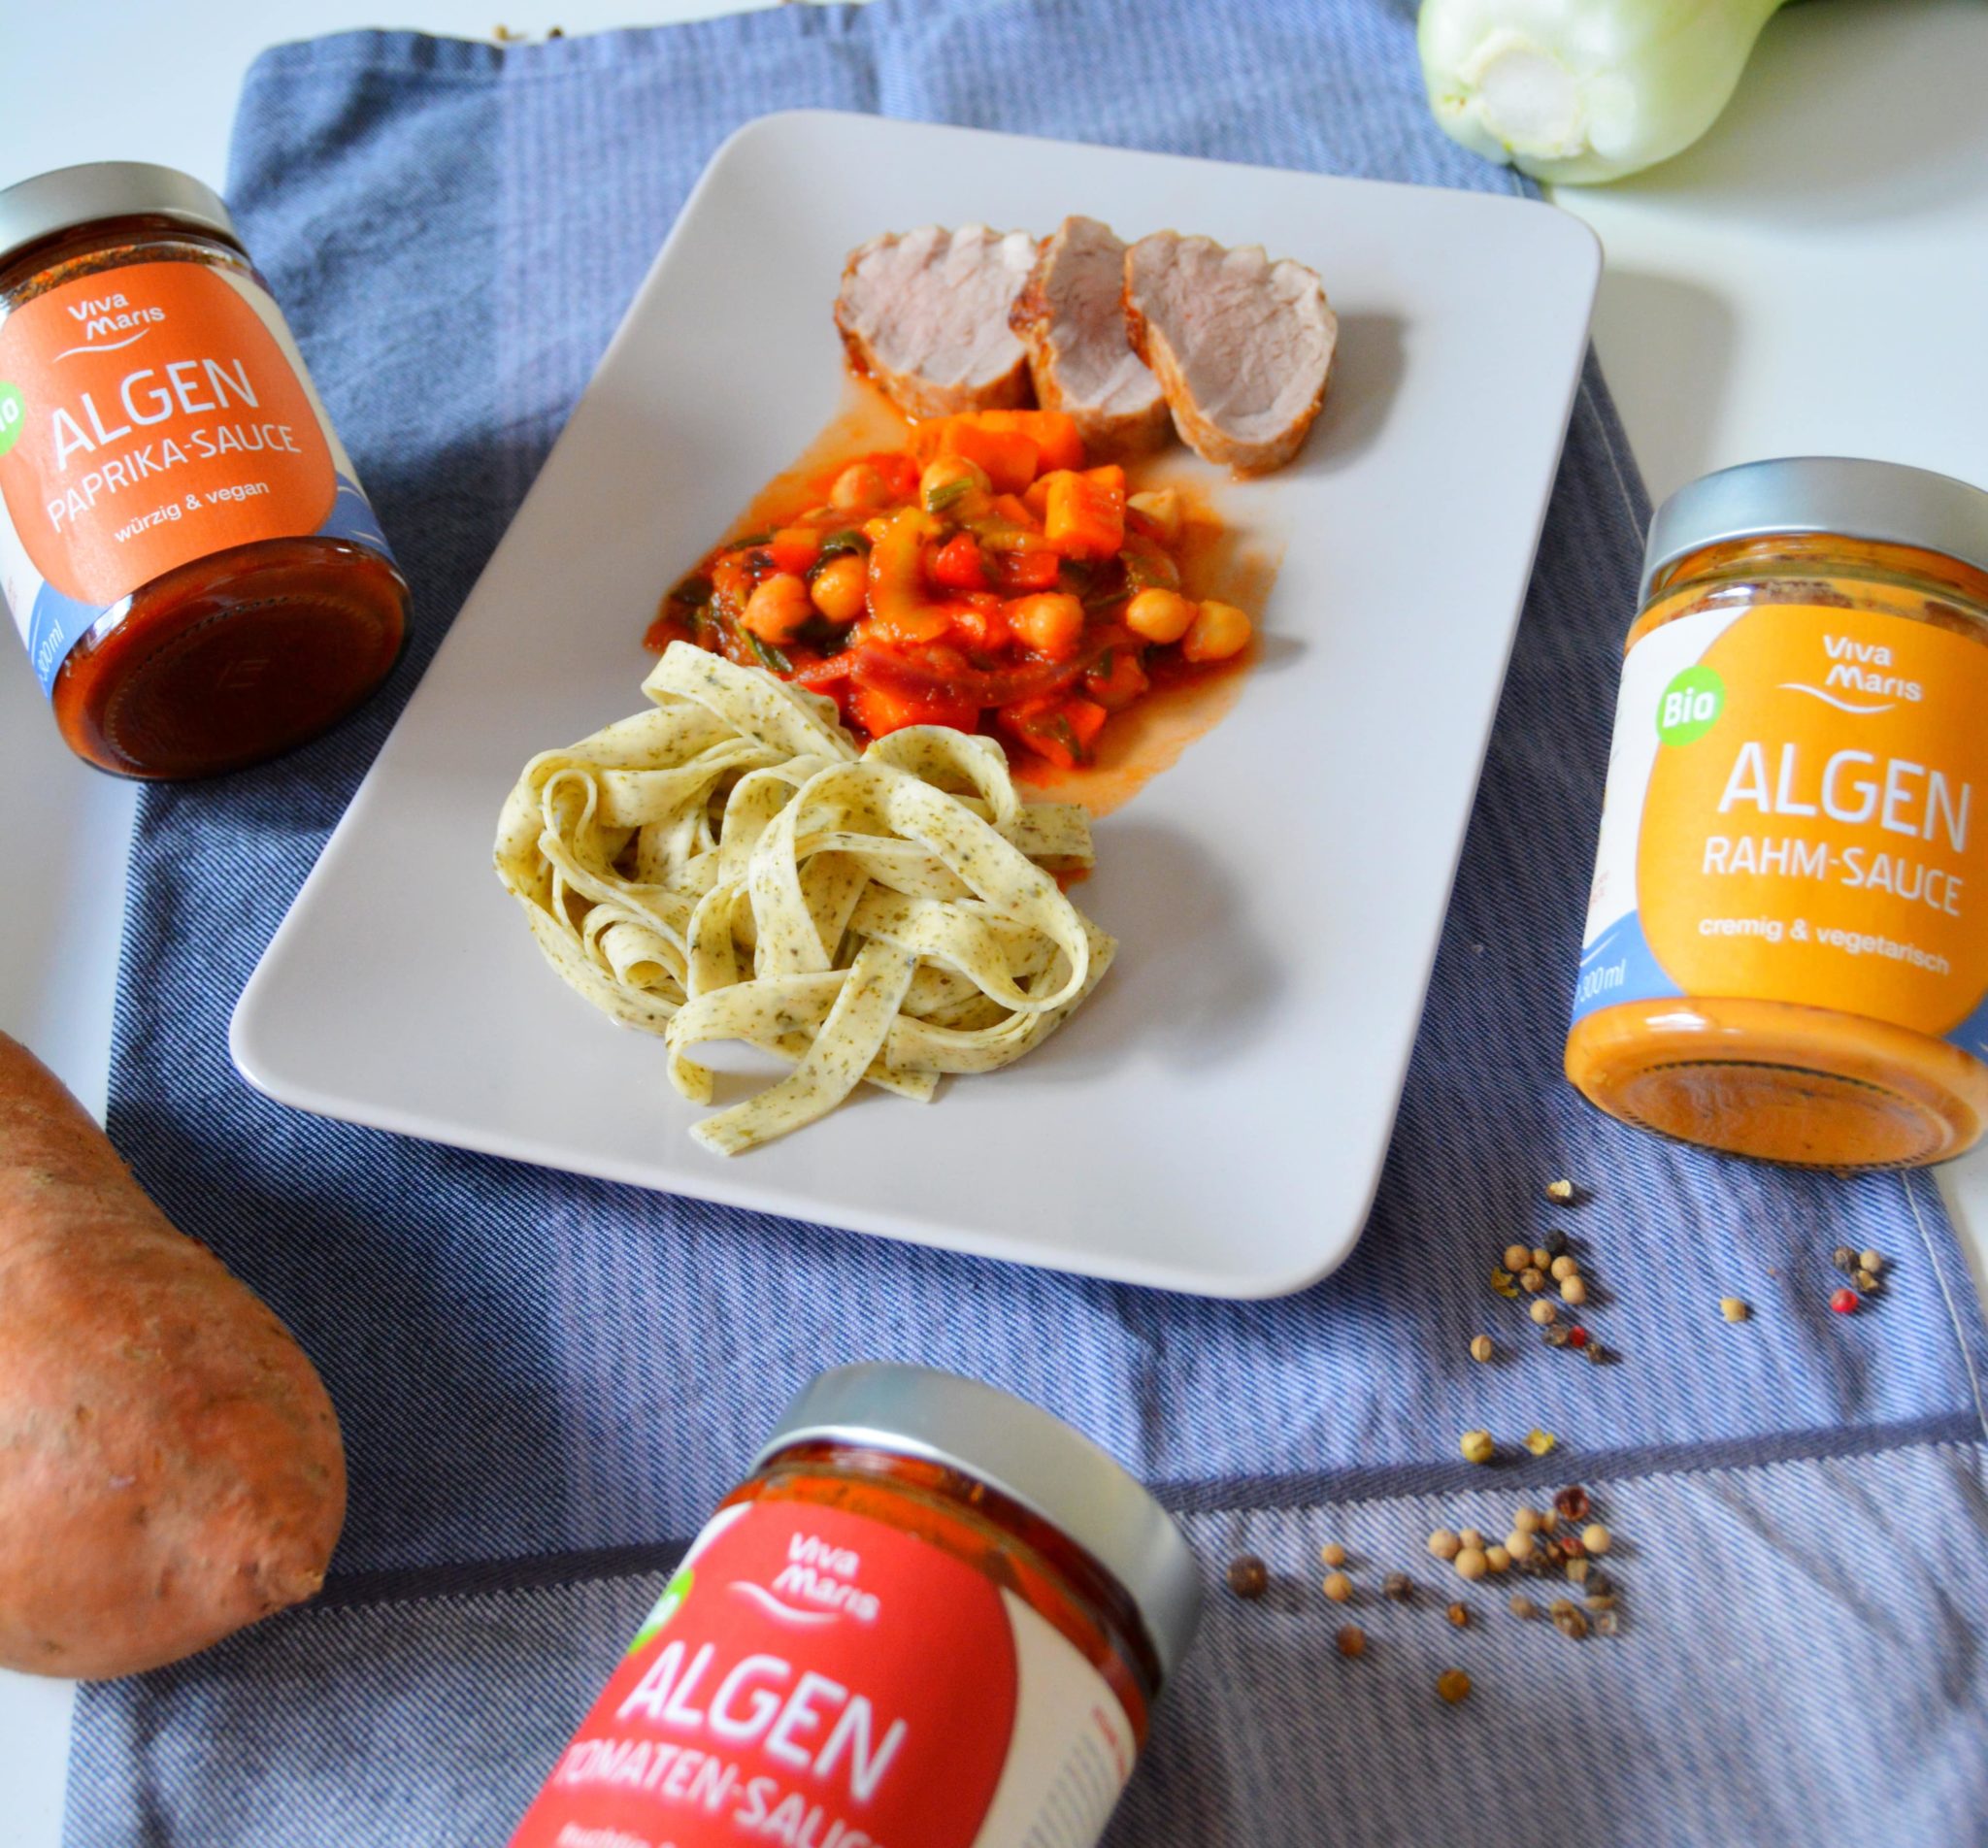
232	659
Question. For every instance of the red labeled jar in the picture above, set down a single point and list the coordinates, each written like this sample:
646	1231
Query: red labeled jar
933	1617
185	550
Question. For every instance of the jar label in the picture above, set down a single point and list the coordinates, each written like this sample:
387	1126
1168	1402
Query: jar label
152	415
820	1679
1795	813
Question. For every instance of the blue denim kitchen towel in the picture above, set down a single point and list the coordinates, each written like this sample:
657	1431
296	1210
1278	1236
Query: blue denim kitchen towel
547	1382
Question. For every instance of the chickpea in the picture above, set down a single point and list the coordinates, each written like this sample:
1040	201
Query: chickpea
859	487
1160	616
1051	622
940	483
778	608
838	586
1220	631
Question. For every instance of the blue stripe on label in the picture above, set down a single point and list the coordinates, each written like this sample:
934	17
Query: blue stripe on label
58	623
1620	966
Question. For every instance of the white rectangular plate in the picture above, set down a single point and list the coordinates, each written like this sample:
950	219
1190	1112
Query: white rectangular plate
1214	1120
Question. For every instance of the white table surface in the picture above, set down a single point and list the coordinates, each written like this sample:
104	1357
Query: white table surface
1809	278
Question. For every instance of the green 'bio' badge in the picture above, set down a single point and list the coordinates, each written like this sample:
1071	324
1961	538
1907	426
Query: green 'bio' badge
13	415
666	1607
1690	707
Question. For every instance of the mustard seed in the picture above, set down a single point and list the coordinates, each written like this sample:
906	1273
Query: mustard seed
1477	1446
1543	1312
1574	1291
1248	1575
1497	1557
1458	1614
1331	1553
1337	1587
1481	1349
1472	1563
1469	1536
1539	1443
1445	1543
1559	1192
1532	1281
1352	1641
1453	1684
1541	1258
1596	1538
1564	1267
1733	1308
1871	1261
1518	1544
1518	1257
1527	1520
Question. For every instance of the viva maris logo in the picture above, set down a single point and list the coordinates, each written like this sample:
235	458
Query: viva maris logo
108	323
816	1585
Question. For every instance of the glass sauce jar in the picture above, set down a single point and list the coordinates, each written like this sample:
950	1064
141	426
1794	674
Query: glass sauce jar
185	546
933	1616
1786	950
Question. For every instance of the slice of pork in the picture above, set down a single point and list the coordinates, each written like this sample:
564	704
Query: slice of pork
1071	316
926	315
1242	346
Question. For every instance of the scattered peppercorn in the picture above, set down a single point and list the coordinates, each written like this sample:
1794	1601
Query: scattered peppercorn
1518	1257
1571	1503
1733	1308
1398	1586
1870	1260
1555	1336
1844	1302
1559	1192
1445	1544
1574	1291
1865	1280
1539	1443
1607	1624
1337	1587
1453	1684
1564	1267
1458	1614
1477	1446
1543	1312
1481	1349
1331	1553
1522	1607
1844	1259
1556	1244
1576	1337
1596	1538
1501	1282
1532	1281
1597	1354
1472	1563
1248	1575
1578	1570
1573	1624
1352	1641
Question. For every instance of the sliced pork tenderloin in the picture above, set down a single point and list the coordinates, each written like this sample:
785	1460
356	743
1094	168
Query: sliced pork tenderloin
926	315
1072	317
1242	346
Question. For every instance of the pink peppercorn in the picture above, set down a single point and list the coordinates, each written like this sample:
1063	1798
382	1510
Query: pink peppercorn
1844	1301
1576	1337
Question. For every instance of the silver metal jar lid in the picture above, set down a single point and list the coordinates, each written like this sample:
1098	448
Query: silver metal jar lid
1881	501
1023	1453
70	196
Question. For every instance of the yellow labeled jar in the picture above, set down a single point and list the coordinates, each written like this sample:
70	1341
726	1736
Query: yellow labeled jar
1786	951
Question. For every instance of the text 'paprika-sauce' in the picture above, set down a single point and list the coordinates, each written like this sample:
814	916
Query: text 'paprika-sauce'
934	1617
1786	953
185	550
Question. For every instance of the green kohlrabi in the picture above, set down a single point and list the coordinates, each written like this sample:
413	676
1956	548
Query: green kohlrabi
1582	91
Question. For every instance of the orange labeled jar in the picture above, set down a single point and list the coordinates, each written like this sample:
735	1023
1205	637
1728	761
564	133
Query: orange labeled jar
185	550
934	1617
1786	952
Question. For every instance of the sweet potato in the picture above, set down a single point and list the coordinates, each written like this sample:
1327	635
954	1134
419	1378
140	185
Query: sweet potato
170	1462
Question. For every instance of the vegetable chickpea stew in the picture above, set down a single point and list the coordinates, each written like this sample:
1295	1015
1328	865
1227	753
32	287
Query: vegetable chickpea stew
983	577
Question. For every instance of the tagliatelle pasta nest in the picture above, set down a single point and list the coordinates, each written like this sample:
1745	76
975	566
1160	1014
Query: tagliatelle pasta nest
729	867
